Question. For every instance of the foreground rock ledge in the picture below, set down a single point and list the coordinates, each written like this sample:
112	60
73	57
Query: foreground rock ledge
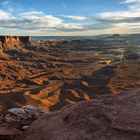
112	117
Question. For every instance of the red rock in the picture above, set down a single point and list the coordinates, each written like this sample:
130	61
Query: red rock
13	39
9	133
111	117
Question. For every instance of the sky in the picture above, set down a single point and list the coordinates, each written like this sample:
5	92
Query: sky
69	17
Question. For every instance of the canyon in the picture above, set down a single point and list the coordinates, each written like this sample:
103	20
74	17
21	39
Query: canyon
59	76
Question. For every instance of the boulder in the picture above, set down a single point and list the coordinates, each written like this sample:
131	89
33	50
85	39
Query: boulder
17	120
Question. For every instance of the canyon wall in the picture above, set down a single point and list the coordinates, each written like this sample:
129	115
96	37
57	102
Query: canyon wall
13	40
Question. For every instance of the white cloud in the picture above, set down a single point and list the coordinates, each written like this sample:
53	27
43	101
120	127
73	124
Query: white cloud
122	21
75	17
121	14
73	26
131	1
4	15
38	22
41	19
128	25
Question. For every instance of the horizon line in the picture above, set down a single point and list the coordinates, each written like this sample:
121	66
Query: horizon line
75	35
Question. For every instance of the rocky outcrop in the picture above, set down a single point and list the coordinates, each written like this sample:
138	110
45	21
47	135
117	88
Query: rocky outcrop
17	120
110	117
12	41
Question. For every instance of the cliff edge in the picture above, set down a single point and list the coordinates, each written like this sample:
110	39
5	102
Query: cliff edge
8	42
110	117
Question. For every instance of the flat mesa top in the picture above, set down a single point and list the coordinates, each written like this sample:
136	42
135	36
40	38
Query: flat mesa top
9	39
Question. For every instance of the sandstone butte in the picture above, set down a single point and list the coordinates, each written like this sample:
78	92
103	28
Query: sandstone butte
13	41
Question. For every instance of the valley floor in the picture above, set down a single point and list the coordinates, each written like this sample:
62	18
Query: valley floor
51	77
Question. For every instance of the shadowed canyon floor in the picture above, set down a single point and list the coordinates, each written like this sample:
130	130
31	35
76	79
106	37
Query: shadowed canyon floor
51	76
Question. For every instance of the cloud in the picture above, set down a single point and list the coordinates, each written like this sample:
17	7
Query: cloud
131	1
33	21
128	20
40	19
29	20
75	17
121	14
7	6
4	15
71	27
37	20
132	4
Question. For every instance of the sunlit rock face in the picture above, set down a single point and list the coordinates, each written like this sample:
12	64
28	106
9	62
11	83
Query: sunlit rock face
13	41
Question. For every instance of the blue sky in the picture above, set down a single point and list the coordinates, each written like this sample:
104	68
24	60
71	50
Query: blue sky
69	17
